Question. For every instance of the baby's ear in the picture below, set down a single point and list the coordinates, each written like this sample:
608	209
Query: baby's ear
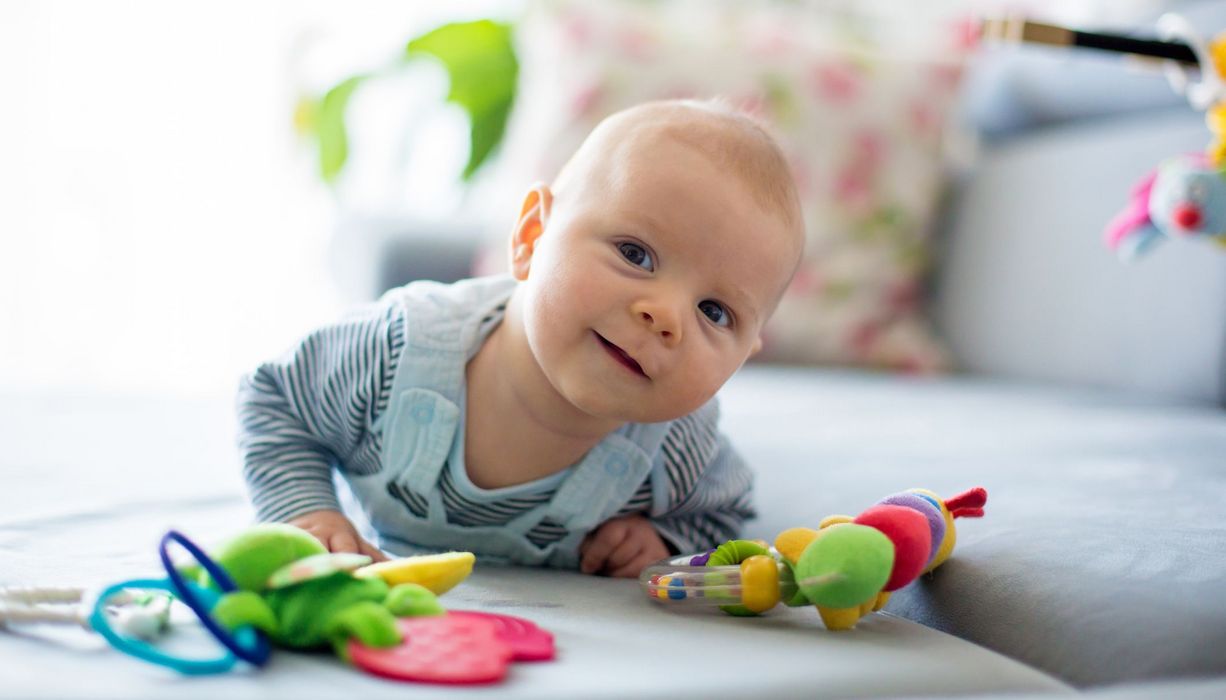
533	217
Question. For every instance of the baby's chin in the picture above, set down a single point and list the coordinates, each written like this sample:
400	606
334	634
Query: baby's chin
632	409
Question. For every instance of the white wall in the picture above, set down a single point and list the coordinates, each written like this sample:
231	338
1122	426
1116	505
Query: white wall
161	227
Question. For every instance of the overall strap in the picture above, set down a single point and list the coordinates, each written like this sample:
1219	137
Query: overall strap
423	411
607	478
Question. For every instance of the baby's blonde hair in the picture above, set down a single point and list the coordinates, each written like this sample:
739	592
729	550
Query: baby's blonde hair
715	128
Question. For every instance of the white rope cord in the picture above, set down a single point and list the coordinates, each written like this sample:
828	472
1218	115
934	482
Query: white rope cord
138	616
33	595
27	614
23	605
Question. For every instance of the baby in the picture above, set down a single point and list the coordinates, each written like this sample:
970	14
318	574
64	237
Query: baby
563	415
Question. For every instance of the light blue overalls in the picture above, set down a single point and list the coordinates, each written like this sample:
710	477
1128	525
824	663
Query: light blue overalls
423	429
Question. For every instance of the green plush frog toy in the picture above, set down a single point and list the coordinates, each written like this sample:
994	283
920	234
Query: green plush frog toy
304	597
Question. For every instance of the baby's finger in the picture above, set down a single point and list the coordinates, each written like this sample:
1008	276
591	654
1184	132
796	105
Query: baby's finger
598	551
623	554
371	551
342	541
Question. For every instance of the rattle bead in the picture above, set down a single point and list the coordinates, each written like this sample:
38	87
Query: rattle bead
701	559
664	583
676	589
793	541
732	553
759	583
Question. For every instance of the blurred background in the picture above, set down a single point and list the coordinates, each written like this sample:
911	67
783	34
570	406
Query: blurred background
166	222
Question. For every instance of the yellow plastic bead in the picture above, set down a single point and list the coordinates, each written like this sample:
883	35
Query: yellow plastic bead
662	591
791	543
760	583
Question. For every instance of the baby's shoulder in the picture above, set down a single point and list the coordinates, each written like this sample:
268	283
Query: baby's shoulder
427	298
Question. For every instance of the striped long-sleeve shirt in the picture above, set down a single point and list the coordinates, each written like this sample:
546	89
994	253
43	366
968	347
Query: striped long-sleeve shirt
313	410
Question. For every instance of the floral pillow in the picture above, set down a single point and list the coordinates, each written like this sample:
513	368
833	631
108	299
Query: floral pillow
859	106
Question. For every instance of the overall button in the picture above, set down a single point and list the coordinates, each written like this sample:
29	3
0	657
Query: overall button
422	412
616	465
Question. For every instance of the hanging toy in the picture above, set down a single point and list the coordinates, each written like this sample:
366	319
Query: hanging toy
1185	197
847	568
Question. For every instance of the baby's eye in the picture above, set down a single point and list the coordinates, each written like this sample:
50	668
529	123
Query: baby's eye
716	312
636	255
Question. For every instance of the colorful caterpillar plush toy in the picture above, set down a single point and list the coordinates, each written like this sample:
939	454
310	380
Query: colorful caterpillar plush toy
848	567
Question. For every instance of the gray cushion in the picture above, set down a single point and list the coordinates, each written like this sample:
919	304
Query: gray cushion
1103	551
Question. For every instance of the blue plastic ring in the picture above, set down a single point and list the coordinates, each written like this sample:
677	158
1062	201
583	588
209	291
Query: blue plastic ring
147	652
258	651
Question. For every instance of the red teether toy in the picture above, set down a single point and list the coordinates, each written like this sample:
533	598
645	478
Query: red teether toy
528	642
443	649
460	647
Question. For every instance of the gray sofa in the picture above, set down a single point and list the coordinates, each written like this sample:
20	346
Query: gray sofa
1090	408
1090	402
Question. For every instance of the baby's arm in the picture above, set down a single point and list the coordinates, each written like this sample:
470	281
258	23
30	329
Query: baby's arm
304	413
714	509
709	496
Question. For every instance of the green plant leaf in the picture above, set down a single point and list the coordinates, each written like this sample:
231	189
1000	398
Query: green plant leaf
480	60
330	127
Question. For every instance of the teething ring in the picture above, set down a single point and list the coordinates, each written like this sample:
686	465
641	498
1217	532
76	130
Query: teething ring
256	650
739	577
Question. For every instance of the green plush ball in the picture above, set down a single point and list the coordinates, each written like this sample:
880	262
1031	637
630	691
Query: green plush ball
253	555
845	566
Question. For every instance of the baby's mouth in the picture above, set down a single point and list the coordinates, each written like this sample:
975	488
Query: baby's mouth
620	355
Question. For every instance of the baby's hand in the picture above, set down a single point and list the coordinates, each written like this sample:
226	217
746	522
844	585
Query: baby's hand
334	530
622	547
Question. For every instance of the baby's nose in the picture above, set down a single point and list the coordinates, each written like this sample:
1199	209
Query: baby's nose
660	319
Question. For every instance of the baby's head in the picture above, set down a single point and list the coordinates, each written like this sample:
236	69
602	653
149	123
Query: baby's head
650	265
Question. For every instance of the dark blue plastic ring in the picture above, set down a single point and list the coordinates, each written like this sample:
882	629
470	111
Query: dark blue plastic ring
258	652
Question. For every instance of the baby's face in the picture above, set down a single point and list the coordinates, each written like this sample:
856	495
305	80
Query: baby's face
645	293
